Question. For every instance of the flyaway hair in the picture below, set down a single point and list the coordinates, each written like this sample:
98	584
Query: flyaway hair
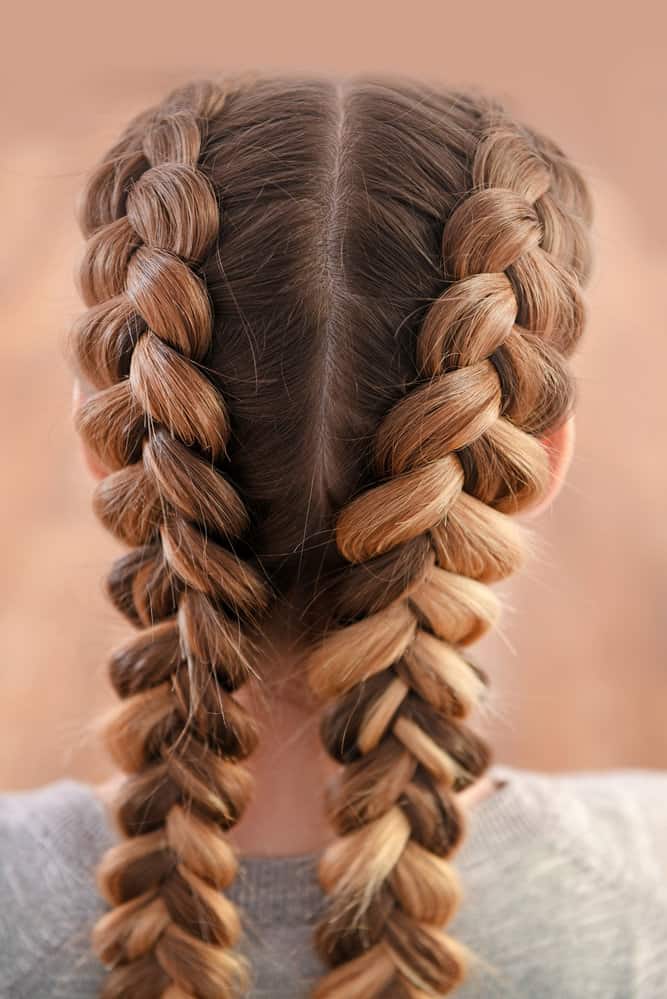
329	327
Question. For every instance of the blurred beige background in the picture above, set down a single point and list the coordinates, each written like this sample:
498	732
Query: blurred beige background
579	667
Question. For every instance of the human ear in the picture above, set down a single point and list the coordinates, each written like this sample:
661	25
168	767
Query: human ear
93	464
559	446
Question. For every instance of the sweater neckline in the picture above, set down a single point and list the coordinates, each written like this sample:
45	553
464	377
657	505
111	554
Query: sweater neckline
285	890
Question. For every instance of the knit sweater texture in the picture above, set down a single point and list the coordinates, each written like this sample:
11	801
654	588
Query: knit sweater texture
564	877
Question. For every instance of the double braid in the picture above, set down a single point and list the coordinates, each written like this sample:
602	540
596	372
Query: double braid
162	428
457	454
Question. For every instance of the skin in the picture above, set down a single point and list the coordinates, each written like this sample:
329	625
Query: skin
290	766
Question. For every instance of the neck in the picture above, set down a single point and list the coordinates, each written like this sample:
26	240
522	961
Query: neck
291	770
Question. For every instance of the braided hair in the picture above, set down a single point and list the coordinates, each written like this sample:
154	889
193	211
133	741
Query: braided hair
452	458
161	427
329	327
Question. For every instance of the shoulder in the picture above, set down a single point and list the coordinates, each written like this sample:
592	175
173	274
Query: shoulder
611	826
612	823
64	824
626	812
67	805
51	839
570	870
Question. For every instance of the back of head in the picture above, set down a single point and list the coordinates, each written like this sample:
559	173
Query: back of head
329	325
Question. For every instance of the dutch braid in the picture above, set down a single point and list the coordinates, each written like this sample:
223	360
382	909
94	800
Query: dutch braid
455	415
458	453
160	425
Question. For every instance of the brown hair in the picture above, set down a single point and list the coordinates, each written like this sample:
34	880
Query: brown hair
328	326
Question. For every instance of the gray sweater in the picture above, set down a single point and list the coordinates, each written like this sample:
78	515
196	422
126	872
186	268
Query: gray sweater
565	879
